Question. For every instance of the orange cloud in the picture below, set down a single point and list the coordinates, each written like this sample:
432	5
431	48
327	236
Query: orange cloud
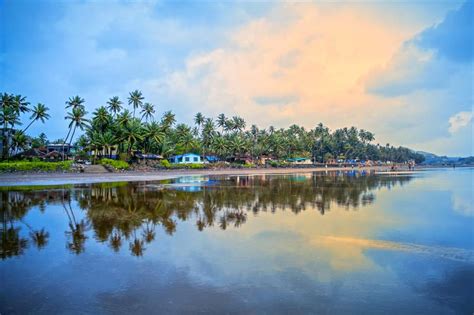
313	59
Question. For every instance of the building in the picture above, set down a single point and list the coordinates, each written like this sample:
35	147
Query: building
186	158
300	160
59	147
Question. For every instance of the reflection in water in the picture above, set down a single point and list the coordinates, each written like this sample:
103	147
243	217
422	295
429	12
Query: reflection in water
121	213
456	254
306	243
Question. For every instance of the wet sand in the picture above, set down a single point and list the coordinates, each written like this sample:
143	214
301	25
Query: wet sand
39	179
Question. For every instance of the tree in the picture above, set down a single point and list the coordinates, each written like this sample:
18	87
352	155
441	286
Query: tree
77	120
75	102
40	112
147	111
114	105
153	135
136	100
221	120
199	120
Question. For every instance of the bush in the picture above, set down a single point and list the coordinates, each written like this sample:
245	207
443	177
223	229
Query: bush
116	164
249	165
278	163
165	164
187	166
196	166
25	166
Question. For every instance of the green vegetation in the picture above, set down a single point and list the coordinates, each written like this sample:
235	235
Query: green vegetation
165	164
115	130
116	164
35	166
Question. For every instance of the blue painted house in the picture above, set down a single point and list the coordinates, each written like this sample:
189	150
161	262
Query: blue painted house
186	158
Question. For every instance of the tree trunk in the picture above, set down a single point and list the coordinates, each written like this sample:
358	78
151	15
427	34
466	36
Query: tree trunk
65	140
31	123
4	142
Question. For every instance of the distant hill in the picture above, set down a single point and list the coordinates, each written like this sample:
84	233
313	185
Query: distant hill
433	159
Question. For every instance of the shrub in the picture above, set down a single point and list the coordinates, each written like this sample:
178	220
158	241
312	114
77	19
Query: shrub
249	165
165	164
196	166
278	163
117	164
25	166
187	166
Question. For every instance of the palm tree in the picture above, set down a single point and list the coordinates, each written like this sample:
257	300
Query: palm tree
11	106
124	118
77	121
136	100
101	118
75	102
221	120
114	105
19	141
199	120
20	104
219	146
153	132
147	111
132	134
168	120
187	141
40	112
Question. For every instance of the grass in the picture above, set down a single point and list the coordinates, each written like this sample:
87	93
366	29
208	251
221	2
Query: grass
116	164
24	166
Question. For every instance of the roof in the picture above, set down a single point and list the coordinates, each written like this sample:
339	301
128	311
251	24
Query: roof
297	159
59	145
212	158
185	154
148	156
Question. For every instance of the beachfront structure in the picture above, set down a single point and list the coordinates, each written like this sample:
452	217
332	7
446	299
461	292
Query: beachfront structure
299	160
186	158
58	147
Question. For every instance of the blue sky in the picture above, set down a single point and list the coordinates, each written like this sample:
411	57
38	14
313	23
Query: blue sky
403	70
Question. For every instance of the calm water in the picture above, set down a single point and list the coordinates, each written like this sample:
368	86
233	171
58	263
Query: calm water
338	243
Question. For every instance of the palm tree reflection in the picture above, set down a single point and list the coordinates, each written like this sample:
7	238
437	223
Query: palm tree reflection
119	212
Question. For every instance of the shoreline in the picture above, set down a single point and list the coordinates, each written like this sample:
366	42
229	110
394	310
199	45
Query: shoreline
45	179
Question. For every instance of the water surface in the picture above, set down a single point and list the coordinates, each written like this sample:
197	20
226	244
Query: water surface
335	243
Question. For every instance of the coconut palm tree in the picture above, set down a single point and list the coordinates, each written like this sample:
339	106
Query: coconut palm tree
147	111
168	120
124	118
20	105
40	112
19	141
11	106
136	100
199	120
221	120
114	105
75	102
133	133
154	133
77	120
101	119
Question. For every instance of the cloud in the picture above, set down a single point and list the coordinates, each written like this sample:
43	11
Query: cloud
459	120
274	64
452	38
430	59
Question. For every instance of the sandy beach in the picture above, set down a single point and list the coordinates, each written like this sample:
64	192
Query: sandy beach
39	179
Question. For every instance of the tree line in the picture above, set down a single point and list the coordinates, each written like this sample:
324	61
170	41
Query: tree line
131	126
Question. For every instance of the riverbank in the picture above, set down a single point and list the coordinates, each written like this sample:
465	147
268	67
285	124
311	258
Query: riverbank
39	179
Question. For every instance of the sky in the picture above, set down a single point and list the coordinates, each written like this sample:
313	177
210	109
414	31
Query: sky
401	69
